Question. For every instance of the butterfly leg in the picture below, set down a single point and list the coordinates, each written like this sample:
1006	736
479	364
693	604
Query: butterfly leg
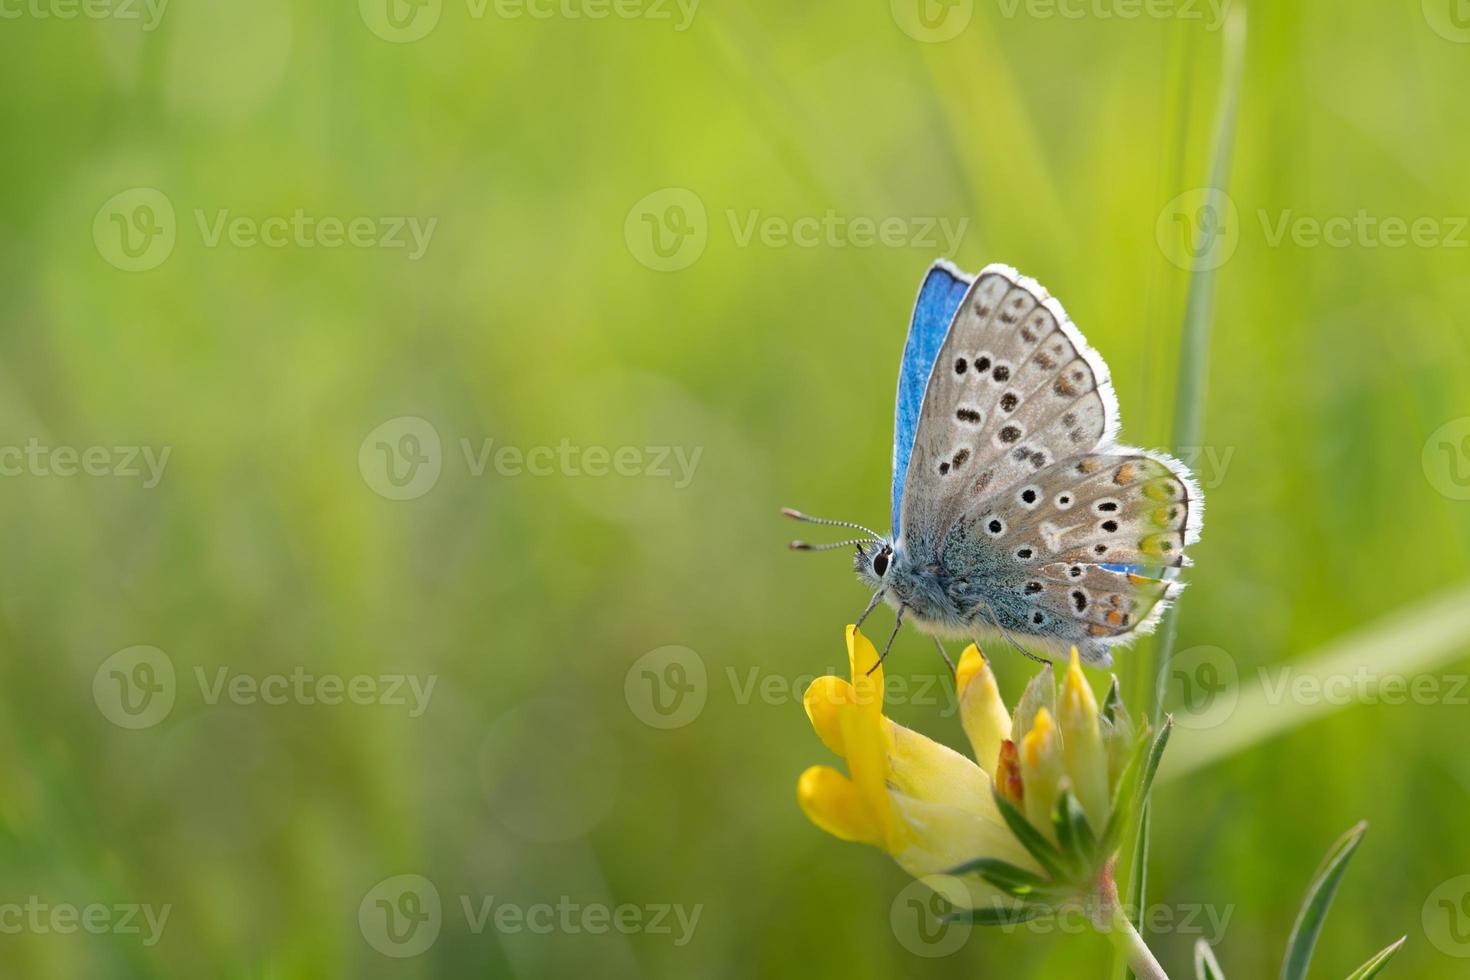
889	645
872	604
938	643
1009	638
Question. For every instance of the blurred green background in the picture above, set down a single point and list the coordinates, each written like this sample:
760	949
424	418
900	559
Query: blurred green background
591	279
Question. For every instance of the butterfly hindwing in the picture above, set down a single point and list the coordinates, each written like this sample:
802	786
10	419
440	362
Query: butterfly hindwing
1089	546
940	294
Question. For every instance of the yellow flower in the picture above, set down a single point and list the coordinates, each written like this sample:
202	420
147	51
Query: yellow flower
1026	822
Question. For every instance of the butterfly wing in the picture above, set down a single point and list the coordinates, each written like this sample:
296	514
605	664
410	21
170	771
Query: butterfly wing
940	294
1013	472
1086	550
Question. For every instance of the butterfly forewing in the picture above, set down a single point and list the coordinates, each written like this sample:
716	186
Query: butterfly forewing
1013	390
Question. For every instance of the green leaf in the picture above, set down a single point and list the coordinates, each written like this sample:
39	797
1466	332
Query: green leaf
1206	967
1314	907
1039	847
1014	881
1378	961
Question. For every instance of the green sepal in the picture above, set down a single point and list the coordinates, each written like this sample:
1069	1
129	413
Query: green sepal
1112	701
1074	834
998	916
1036	845
1040	693
1015	882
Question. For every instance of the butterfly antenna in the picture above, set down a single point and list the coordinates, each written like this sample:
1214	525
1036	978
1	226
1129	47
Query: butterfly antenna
805	546
797	515
889	645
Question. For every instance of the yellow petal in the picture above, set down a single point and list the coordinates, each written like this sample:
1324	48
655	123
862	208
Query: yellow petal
825	698
867	762
1082	747
862	657
983	713
832	802
940	838
1041	771
925	769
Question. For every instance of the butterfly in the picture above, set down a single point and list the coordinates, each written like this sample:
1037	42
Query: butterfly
1015	513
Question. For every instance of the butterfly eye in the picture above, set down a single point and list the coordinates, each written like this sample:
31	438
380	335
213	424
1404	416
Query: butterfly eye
880	562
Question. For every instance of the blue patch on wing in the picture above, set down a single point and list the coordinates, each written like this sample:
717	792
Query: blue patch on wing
940	296
1128	569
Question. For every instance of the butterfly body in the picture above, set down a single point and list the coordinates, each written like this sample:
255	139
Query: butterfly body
1015	512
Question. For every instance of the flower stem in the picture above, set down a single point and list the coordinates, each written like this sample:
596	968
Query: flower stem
1114	923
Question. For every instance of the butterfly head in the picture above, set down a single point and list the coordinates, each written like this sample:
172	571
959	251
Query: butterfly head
873	561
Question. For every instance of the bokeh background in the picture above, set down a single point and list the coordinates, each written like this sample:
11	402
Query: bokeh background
537	461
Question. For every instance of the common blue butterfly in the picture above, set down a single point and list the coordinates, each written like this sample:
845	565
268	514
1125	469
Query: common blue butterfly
1015	513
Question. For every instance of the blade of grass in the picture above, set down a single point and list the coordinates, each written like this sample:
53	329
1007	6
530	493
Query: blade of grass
1378	961
1318	900
1189	395
1405	643
1206	967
